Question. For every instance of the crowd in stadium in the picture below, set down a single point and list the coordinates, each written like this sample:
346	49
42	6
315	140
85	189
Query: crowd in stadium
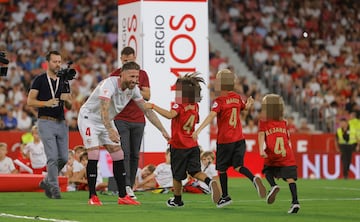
85	32
308	51
319	70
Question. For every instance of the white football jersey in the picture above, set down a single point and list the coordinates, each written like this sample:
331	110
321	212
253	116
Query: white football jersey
163	175
37	154
6	165
109	89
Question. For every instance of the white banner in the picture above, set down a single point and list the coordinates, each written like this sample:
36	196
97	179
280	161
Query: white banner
129	27
174	37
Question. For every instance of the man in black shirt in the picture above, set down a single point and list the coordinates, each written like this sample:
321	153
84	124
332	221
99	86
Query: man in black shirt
48	94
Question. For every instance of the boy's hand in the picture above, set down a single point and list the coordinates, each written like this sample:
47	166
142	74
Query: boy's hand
263	155
195	135
166	135
148	105
250	100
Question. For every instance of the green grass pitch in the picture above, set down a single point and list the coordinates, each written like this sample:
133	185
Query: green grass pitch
321	200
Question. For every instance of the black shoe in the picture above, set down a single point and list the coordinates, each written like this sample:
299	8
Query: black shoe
45	186
171	203
272	194
224	201
294	208
55	193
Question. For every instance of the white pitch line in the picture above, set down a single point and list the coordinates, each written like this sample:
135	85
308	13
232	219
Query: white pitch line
308	199
34	218
332	199
342	188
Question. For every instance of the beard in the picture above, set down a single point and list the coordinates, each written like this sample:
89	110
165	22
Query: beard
55	70
131	84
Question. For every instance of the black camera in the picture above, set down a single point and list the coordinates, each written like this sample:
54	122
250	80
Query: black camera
3	61
66	74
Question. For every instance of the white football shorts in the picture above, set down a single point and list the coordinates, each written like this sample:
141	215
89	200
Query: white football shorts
93	132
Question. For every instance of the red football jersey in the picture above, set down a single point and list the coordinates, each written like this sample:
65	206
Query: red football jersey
183	125
131	112
277	141
228	117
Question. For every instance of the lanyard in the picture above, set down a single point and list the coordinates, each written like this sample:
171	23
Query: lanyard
51	86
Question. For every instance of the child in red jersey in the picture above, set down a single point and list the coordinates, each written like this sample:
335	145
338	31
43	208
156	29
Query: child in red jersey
184	151
275	148
231	147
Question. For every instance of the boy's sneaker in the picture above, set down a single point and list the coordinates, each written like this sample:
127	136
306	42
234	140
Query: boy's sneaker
45	186
294	208
130	192
272	194
94	200
127	200
259	187
171	203
215	191
224	201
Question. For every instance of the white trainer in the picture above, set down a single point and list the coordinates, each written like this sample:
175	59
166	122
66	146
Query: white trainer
294	208
130	192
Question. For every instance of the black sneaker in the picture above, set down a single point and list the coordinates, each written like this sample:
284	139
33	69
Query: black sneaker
224	201
294	208
45	186
272	194
55	193
171	203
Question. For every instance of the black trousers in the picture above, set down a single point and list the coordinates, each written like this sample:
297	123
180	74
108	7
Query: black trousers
346	156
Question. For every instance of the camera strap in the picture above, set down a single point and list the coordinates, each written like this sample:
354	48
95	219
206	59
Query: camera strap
51	86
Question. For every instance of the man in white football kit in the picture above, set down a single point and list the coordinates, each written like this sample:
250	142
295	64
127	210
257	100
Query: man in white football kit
97	127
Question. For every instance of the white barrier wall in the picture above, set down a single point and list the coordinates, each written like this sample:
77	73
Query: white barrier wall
171	39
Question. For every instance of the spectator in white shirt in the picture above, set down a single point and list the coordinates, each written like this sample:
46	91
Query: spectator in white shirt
77	165
24	121
162	173
208	167
250	127
35	151
6	163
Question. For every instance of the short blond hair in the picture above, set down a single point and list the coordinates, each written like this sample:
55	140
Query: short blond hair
79	148
208	153
150	167
34	128
273	107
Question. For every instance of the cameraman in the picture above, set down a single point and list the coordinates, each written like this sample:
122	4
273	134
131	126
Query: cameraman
50	93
